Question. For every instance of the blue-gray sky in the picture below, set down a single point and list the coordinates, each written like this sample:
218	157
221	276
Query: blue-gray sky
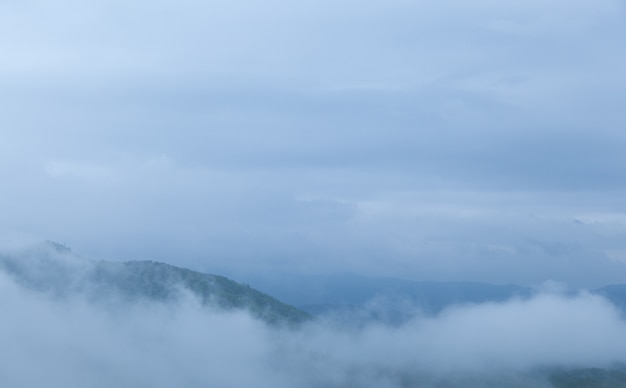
426	139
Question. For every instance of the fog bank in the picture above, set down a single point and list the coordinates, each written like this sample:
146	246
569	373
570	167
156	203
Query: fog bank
72	343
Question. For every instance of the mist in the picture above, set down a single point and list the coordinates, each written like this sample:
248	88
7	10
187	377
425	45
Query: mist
75	342
430	140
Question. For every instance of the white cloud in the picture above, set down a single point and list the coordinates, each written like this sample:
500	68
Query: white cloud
71	343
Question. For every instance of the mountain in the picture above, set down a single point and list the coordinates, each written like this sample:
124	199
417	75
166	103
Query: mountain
615	293
360	299
389	300
54	269
355	300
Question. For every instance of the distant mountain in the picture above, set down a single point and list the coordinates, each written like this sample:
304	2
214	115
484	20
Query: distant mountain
361	299
53	268
388	300
616	293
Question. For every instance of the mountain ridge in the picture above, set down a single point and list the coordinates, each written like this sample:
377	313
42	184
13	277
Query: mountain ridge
395	300
54	269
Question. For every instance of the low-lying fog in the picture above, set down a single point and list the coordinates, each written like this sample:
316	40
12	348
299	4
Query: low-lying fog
49	341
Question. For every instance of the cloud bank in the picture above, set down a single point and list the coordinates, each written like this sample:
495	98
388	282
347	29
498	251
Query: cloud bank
72	343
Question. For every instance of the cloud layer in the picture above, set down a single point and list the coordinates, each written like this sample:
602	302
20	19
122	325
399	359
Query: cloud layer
430	139
72	343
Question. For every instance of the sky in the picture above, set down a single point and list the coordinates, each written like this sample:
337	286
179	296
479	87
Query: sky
428	140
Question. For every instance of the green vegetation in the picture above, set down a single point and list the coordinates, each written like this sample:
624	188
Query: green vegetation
53	268
164	282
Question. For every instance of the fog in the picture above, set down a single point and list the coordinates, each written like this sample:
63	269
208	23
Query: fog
427	140
70	342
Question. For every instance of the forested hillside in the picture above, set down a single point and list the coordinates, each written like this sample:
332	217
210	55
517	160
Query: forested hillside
55	269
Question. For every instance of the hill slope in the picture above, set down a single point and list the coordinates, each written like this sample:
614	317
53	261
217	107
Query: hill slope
54	269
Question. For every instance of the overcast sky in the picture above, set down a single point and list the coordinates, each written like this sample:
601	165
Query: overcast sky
442	140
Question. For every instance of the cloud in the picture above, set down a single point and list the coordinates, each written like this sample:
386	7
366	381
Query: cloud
73	343
483	340
190	132
234	221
